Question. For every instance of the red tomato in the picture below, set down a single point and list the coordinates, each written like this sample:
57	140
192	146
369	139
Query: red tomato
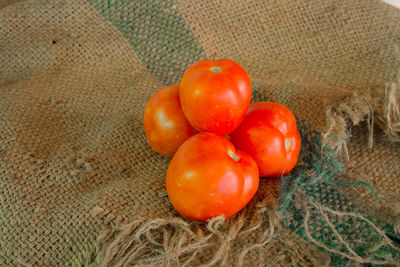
215	95
269	135
207	177
165	125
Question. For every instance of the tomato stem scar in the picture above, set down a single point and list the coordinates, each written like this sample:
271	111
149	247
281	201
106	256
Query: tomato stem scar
287	144
233	156
216	69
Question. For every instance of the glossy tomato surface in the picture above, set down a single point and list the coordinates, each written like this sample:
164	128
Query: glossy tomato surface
215	95
269	135
208	177
165	125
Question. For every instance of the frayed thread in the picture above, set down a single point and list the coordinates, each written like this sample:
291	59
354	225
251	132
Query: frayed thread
384	109
351	111
396	228
312	208
388	115
252	236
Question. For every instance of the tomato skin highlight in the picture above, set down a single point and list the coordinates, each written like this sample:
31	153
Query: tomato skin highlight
215	95
165	125
208	177
270	136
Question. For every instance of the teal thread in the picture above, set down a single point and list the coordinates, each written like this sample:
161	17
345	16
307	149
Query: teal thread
316	174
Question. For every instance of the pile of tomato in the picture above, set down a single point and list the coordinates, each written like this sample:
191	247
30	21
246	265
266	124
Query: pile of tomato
220	144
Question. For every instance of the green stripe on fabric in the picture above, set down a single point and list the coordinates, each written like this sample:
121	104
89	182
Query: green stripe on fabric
157	32
314	184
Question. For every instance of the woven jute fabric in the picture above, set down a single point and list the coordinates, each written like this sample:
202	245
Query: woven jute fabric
80	186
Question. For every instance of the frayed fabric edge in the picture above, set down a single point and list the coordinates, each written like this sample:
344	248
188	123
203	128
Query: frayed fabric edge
352	111
388	111
383	110
219	242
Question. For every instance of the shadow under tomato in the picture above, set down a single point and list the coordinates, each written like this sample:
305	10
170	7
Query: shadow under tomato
268	193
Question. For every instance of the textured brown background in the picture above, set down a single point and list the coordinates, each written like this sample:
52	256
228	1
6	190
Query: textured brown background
75	167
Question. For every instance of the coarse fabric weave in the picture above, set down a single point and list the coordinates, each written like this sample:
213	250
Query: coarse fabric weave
80	186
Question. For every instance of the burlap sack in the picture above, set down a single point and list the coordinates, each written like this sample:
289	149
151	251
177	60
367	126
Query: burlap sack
79	185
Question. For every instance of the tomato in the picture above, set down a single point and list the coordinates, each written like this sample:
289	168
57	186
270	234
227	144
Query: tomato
215	95
269	135
165	125
208	177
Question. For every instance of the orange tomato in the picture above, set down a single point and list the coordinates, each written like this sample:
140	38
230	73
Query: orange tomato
215	95
165	125
208	177
269	135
